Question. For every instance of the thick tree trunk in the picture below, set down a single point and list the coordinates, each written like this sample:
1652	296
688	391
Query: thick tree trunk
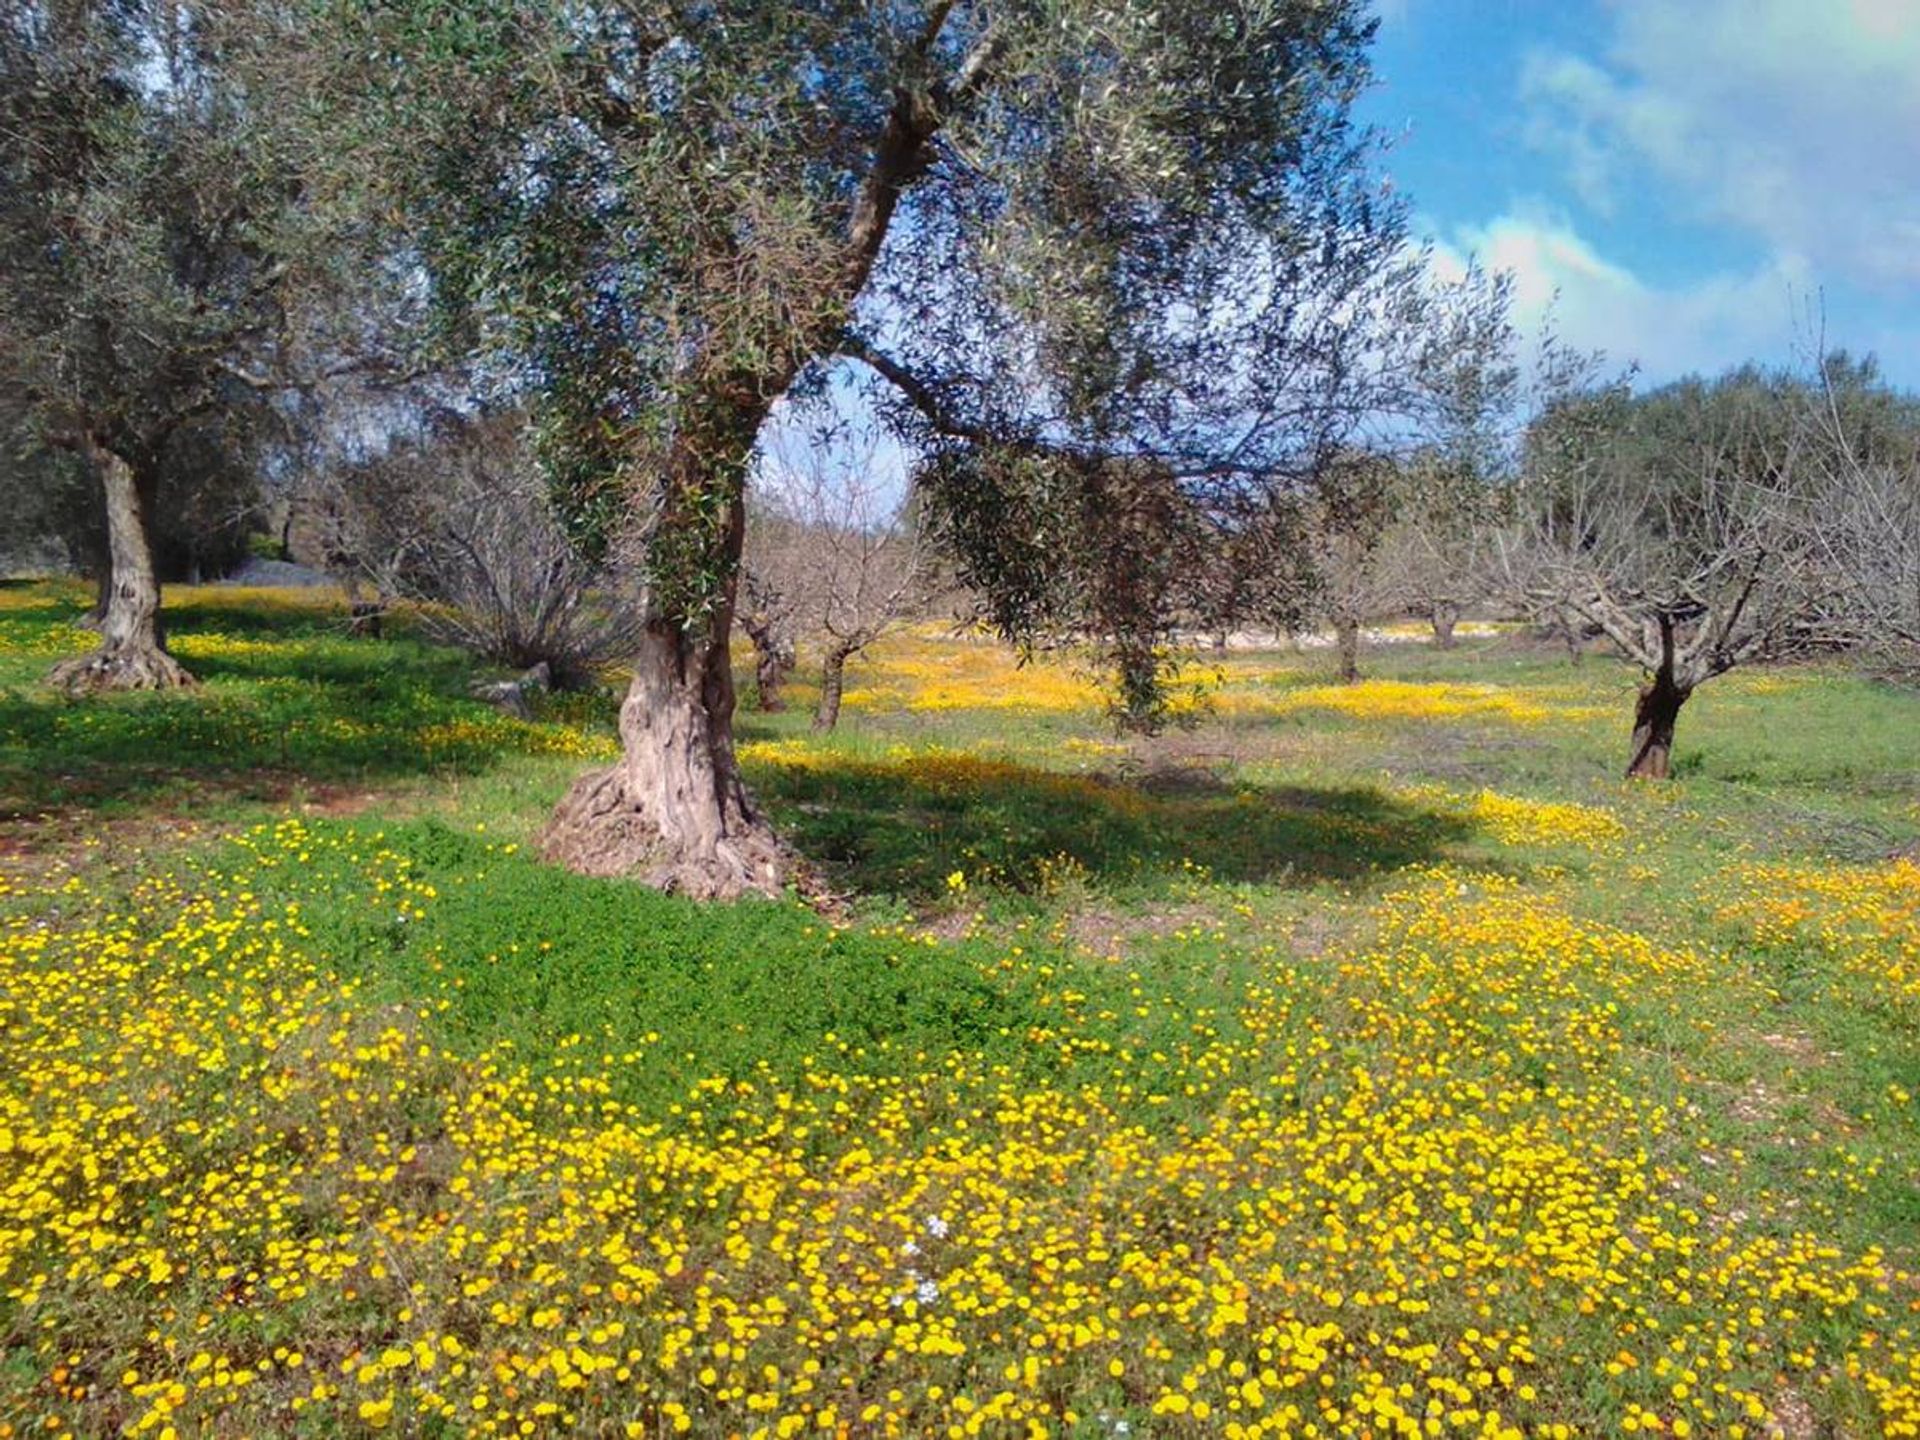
1570	632
1443	617
674	812
772	657
1653	718
833	679
1347	636
131	654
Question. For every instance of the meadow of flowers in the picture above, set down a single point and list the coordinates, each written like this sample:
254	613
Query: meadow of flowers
341	1126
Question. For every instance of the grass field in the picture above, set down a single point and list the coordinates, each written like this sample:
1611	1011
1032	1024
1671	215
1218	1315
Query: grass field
1364	1061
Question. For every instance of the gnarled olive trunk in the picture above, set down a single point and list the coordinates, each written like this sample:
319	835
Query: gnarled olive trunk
1653	719
132	655
1346	634
772	658
674	811
833	680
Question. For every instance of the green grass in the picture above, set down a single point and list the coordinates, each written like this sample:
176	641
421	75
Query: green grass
1046	911
289	704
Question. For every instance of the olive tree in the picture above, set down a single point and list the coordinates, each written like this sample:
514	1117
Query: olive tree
139	282
1077	243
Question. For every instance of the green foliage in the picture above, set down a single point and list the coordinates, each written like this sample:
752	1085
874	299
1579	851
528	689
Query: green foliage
658	221
561	967
140	215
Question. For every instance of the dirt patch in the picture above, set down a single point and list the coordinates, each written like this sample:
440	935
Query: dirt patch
1791	1418
40	845
1101	931
1795	1043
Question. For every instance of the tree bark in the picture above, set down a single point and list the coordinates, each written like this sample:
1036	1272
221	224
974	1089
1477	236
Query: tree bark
1346	634
1444	616
674	811
772	659
769	674
132	654
1570	625
1653	719
833	678
102	594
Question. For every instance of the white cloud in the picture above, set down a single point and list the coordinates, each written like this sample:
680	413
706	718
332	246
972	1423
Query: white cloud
1797	121
1597	304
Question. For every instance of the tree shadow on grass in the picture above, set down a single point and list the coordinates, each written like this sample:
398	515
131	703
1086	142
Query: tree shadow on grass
288	700
902	827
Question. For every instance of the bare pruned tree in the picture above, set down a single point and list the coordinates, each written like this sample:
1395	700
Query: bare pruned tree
1348	518
1688	525
1869	438
1436	556
838	547
458	519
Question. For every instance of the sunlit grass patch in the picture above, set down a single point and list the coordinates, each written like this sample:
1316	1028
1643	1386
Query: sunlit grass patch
495	734
34	639
917	673
1408	700
1864	918
1517	820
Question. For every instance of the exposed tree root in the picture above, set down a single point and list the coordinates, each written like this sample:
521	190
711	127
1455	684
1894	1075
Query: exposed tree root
603	828
114	667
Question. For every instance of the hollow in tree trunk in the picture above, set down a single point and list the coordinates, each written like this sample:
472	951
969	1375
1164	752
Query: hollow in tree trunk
132	655
1346	634
1443	617
833	679
102	594
1653	718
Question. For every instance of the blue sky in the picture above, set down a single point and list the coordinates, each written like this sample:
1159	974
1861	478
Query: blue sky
1699	181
